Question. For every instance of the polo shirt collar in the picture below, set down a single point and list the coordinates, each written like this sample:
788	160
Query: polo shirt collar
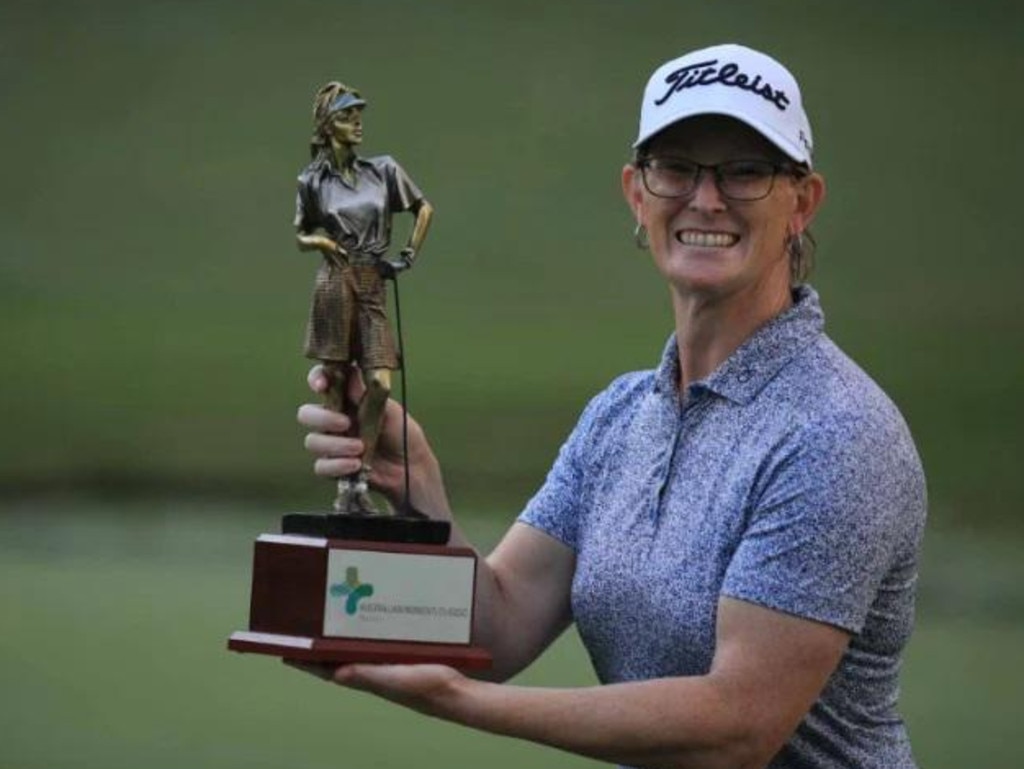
744	373
325	165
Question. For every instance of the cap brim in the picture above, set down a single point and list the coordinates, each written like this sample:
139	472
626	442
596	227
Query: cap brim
345	101
793	152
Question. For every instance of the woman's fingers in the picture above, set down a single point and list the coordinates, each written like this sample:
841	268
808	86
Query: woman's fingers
336	455
317	379
336	468
321	419
319	382
322	670
333	446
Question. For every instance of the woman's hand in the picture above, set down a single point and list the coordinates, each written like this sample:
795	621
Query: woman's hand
339	454
769	668
428	689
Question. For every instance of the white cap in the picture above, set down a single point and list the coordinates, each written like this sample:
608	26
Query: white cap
729	80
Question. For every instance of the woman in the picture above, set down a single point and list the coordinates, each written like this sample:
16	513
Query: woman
735	533
343	210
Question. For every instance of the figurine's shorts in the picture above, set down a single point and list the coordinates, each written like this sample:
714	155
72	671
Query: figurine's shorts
348	319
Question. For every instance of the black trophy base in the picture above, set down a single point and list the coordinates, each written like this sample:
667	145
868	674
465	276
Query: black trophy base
410	527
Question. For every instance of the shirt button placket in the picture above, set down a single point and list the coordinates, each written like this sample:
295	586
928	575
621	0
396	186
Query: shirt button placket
673	426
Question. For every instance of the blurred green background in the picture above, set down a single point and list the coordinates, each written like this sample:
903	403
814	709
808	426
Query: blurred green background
152	307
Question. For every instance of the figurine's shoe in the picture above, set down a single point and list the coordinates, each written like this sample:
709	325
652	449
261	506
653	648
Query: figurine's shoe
354	498
342	501
361	494
364	503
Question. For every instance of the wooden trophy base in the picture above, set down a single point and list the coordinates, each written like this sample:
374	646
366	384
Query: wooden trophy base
341	600
342	652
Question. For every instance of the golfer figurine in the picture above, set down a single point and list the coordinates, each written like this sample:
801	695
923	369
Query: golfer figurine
344	209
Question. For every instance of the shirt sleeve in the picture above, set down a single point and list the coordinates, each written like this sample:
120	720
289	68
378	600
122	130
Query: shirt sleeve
305	220
835	508
403	193
556	507
561	504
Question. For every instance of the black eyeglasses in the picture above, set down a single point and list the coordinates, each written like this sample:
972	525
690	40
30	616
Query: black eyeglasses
668	177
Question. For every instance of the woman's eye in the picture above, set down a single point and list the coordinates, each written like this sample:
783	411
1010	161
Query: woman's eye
746	170
678	168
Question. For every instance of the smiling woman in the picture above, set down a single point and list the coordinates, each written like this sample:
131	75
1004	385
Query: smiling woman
735	533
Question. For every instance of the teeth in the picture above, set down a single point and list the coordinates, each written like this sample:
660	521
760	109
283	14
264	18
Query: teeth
706	239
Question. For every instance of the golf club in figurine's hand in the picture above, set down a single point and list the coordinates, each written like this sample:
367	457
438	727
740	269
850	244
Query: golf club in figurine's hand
390	269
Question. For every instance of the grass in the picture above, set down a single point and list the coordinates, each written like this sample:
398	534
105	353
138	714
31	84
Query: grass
113	655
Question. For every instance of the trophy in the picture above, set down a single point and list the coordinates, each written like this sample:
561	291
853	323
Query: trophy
364	583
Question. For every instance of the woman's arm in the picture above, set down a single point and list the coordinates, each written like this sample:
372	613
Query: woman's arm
768	670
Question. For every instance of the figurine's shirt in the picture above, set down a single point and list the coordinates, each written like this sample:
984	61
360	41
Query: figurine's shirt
786	479
355	212
347	316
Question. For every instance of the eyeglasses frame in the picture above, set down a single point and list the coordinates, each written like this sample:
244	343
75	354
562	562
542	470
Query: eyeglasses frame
790	169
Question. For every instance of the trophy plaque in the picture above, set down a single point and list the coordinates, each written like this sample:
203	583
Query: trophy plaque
362	583
340	601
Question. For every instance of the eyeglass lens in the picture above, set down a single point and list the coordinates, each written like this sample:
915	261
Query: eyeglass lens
736	179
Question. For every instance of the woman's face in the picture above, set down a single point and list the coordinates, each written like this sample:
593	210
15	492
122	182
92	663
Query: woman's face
707	243
346	126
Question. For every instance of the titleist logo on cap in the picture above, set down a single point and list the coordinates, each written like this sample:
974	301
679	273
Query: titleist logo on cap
709	73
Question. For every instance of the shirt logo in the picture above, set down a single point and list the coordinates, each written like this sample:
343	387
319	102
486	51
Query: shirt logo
709	73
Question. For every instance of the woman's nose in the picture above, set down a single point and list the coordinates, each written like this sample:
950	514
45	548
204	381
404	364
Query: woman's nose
706	195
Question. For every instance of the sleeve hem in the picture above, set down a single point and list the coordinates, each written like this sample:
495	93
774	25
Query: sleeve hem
774	595
529	520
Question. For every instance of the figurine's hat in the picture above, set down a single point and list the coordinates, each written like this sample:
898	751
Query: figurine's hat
344	101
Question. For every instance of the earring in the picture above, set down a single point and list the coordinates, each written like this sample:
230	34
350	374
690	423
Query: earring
640	237
795	245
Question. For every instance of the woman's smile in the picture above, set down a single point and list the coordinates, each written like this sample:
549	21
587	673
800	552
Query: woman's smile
707	238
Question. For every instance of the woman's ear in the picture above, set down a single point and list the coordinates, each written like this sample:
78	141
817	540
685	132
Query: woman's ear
810	194
631	190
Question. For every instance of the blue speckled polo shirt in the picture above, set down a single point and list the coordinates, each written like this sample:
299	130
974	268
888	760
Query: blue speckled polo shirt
786	478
